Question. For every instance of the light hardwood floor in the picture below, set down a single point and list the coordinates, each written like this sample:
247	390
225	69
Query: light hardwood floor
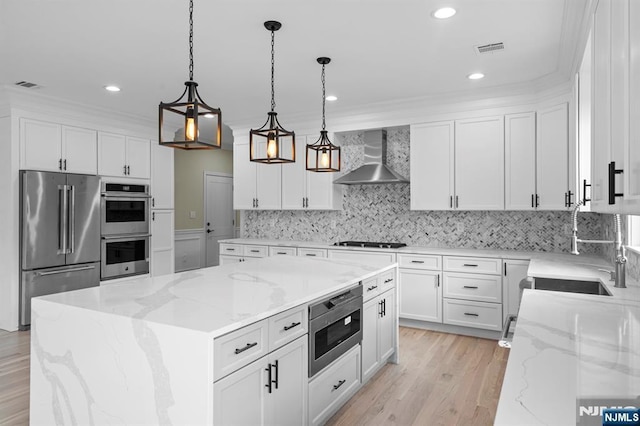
442	379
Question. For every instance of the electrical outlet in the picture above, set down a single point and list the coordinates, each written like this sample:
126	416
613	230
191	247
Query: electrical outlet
566	229
192	214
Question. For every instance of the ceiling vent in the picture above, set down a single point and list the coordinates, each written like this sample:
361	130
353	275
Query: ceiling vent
489	48
27	85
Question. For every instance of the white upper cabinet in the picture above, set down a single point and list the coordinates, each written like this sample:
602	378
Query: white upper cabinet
615	160
552	159
123	156
255	185
304	190
432	164
162	177
520	161
52	147
479	164
162	242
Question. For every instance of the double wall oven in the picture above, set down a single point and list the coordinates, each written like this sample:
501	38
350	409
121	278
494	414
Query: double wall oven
124	230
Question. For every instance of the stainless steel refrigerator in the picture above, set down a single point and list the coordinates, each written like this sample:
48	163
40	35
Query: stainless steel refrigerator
59	235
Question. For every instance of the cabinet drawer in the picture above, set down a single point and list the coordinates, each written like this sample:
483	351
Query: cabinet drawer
331	388
255	251
472	314
231	249
387	280
312	252
370	288
239	348
420	261
282	251
483	288
478	265
287	326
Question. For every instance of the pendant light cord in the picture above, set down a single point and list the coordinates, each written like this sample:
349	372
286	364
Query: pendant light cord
273	96
191	40
323	98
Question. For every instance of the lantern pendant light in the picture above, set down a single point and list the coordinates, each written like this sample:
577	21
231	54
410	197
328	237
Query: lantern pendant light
199	125
323	156
271	143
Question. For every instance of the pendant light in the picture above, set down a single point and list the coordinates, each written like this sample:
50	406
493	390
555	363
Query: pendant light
271	143
323	156
201	124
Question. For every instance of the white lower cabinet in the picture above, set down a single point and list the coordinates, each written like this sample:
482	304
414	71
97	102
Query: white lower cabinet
269	391
162	242
378	333
472	314
363	256
235	253
420	295
514	272
334	386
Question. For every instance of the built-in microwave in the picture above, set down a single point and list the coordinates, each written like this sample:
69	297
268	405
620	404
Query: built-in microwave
124	208
122	256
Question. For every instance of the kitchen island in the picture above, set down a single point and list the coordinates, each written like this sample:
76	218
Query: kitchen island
144	351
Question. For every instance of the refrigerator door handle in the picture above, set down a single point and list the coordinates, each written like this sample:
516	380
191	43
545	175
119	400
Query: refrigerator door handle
64	271
62	219
71	215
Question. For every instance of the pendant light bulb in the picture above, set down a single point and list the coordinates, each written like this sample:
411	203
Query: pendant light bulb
324	159
272	145
190	131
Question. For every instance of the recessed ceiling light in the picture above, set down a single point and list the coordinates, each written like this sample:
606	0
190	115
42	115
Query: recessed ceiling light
475	76
332	98
444	13
112	88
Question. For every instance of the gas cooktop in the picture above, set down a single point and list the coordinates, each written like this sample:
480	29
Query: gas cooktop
369	244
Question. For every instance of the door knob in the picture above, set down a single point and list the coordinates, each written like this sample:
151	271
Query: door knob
209	231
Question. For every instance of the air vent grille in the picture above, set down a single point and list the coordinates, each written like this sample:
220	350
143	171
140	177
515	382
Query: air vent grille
27	85
490	48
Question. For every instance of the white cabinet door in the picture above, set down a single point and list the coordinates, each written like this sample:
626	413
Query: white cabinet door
432	164
111	155
241	397
268	190
322	194
287	402
520	161
79	150
138	158
244	178
514	272
294	187
552	157
387	327
632	151
420	295
162	176
40	146
479	164
370	359
162	242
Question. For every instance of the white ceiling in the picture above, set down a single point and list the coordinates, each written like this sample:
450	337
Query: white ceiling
382	51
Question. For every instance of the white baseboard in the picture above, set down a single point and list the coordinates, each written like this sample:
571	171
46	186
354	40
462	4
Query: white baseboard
189	249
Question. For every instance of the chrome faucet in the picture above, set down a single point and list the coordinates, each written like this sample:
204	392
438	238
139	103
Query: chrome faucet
621	260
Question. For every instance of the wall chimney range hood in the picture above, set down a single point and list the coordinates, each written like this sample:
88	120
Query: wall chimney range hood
374	170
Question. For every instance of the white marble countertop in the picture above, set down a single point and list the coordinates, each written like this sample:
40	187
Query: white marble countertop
445	251
221	299
568	347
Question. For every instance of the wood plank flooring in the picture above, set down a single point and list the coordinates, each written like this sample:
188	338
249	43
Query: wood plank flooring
442	379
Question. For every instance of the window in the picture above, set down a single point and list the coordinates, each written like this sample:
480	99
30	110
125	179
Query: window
633	237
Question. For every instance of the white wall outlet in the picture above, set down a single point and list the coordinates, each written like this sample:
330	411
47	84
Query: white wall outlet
192	214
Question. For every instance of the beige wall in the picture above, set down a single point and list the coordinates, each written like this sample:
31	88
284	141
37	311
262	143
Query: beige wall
189	174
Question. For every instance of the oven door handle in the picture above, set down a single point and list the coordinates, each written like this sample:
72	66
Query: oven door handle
125	237
124	195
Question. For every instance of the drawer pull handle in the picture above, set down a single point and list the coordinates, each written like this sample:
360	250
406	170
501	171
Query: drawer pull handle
231	249
310	254
289	327
340	383
470	264
279	252
470	314
388	280
373	287
254	251
470	286
249	346
417	261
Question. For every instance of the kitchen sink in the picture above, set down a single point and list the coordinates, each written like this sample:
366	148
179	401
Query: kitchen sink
571	286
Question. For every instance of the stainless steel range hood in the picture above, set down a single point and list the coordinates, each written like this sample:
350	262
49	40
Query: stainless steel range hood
374	170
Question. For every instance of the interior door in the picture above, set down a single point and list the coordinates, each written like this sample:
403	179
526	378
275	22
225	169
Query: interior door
219	214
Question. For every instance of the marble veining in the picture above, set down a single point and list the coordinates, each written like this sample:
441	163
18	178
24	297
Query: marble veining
381	213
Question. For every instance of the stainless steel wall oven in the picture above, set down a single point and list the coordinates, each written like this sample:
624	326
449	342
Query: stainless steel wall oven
124	255
335	326
125	209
